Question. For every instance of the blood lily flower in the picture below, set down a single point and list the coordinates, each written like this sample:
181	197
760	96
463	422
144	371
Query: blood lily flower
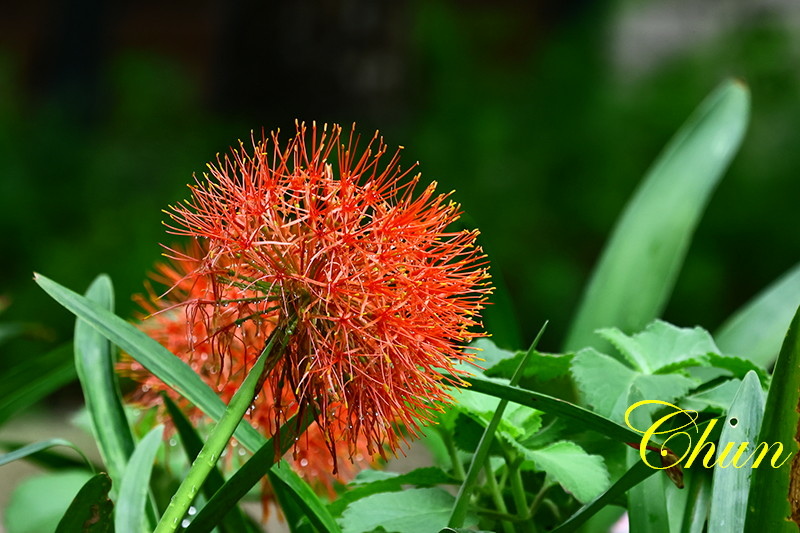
336	244
177	328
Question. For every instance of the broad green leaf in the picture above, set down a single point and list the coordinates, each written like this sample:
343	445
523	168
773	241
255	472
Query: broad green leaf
38	503
768	506
556	406
638	267
661	344
168	368
37	447
130	515
26	383
497	362
234	521
756	331
717	398
606	383
738	367
95	365
370	482
582	475
731	485
410	511
90	511
635	475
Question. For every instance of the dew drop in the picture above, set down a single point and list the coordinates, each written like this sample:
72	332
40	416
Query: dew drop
173	442
145	388
242	451
303	462
192	511
185	522
224	453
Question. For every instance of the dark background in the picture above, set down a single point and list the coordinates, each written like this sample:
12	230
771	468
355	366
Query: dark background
542	115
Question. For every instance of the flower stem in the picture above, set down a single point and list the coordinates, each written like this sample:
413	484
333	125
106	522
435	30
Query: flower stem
208	456
497	497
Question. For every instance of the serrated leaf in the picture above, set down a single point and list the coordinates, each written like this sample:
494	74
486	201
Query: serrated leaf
130	515
638	267
661	344
582	475
90	511
409	511
755	332
518	421
738	367
370	482
606	383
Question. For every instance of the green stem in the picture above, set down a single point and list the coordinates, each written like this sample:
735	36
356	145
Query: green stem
208	456
497	497
459	512
447	438
518	493
537	500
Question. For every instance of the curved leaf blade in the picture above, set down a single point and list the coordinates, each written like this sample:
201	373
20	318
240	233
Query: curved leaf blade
755	332
131	516
37	447
638	267
95	366
768	506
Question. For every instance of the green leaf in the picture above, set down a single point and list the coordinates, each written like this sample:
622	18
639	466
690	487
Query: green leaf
409	511
302	495
518	421
130	516
556	406
635	475
90	511
638	267
497	362
768	506
717	398
37	447
26	383
731	485
38	503
95	365
582	475
755	332
606	383
53	460
660	345
168	368
370	482
738	367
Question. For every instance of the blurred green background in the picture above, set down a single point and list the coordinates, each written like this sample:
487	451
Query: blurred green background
543	116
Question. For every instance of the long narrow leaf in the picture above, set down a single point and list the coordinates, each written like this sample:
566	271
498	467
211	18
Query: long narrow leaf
38	447
639	265
130	516
756	331
768	507
731	485
95	365
168	368
51	459
556	406
635	475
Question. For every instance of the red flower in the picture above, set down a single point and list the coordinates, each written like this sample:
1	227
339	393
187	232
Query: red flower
382	292
177	328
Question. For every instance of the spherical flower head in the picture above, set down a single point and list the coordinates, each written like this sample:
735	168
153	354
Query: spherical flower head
176	326
339	246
